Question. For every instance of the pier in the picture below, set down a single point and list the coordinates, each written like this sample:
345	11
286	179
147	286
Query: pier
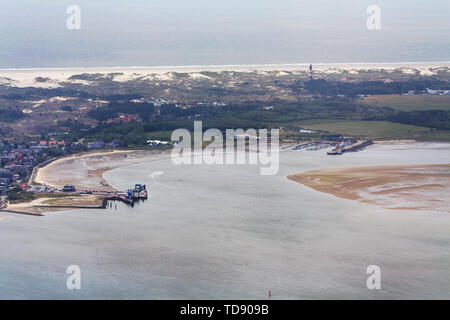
139	193
129	197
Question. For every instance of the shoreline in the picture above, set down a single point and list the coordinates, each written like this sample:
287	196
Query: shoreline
391	187
26	76
41	177
41	205
223	67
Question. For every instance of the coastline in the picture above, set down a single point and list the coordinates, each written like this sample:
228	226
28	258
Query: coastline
24	77
391	187
42	174
41	205
236	67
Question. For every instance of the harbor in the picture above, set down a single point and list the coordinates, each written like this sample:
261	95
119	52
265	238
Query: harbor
44	199
139	193
314	145
129	197
87	189
340	145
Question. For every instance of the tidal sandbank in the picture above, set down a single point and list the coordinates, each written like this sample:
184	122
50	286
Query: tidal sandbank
393	187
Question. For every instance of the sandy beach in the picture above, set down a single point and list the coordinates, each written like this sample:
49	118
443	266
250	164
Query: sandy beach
55	76
88	174
413	187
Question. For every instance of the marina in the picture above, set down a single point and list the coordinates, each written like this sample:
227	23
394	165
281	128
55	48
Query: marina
314	146
349	147
339	147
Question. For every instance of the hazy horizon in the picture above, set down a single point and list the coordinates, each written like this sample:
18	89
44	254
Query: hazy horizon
197	33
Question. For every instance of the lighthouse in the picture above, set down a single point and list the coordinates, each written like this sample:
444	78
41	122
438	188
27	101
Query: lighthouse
310	72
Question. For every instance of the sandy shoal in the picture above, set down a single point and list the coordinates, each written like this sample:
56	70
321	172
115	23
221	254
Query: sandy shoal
393	187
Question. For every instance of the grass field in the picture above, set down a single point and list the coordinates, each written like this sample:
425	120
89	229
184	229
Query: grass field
409	102
375	130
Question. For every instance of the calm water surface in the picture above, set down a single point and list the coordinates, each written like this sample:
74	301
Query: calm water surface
227	232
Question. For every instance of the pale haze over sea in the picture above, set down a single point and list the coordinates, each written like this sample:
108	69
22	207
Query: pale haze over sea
113	33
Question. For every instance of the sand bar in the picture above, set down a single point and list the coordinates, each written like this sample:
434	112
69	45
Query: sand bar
394	187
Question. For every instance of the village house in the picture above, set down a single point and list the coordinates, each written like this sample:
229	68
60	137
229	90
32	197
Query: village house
5	173
123	118
96	145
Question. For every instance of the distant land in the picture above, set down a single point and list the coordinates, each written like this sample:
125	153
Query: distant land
25	76
385	100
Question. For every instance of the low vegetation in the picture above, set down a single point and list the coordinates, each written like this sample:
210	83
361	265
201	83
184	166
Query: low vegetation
338	104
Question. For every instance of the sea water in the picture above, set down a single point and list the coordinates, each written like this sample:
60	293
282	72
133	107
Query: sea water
210	232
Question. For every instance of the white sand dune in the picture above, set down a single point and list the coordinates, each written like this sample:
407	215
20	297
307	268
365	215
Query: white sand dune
27	77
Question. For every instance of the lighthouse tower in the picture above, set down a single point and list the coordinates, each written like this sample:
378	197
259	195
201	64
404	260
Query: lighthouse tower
310	72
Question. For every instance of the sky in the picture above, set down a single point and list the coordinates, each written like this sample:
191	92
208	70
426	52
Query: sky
34	33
